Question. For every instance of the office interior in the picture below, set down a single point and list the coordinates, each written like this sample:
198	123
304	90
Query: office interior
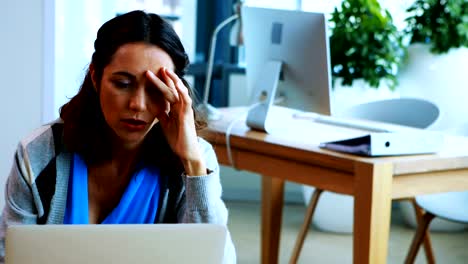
46	45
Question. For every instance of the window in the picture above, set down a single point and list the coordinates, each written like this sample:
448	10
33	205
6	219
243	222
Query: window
75	24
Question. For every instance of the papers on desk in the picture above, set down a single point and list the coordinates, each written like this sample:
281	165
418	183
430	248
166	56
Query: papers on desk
389	144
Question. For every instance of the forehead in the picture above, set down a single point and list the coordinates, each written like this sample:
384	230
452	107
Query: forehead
137	58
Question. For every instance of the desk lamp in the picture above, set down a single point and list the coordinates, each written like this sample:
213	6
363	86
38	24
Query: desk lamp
210	112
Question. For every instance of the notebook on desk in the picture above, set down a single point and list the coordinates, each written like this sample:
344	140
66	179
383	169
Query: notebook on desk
389	143
116	244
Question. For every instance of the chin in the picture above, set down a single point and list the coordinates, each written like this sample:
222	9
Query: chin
132	140
132	144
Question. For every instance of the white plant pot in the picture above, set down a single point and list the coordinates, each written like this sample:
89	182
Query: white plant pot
441	79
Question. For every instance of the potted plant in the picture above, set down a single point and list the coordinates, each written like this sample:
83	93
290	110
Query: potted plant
366	51
365	44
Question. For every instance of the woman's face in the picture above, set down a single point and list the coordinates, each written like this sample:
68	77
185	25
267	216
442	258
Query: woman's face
129	101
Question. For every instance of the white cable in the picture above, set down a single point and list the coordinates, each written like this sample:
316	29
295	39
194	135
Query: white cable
228	134
228	143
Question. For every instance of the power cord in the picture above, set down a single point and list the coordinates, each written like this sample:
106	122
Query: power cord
228	133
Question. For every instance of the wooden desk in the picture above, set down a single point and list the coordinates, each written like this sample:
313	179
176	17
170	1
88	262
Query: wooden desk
291	153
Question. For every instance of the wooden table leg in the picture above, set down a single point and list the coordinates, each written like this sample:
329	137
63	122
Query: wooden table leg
272	212
372	210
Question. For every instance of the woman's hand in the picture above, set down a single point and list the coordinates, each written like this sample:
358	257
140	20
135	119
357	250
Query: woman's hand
177	121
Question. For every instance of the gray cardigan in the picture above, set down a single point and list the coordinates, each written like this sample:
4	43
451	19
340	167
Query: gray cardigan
36	189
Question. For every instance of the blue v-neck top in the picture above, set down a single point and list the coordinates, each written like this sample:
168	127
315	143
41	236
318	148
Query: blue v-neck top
138	204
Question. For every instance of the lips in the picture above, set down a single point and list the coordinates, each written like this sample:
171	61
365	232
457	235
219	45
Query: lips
134	124
134	121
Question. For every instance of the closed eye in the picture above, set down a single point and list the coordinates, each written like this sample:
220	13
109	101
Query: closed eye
122	84
122	79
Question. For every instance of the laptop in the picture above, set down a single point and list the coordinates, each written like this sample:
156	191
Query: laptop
116	244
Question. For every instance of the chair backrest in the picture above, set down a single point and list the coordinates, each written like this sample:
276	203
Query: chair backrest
411	112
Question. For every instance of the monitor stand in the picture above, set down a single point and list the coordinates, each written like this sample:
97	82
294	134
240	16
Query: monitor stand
264	93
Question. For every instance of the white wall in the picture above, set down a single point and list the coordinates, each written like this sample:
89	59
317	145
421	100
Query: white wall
189	24
21	72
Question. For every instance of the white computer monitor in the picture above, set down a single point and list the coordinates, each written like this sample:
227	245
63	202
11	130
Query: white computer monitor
291	46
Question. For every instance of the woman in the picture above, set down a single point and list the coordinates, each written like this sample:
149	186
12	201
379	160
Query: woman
125	149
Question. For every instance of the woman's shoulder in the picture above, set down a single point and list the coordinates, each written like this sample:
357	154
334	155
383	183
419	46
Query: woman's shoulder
36	150
43	135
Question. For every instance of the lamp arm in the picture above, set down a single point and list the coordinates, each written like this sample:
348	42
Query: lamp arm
209	72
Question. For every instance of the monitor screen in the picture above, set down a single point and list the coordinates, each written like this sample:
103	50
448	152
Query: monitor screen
286	54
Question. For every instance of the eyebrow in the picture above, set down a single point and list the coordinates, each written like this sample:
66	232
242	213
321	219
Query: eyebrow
123	73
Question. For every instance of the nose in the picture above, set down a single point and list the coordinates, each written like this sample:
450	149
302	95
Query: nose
137	100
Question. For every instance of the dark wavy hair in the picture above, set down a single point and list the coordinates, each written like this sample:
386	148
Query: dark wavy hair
85	129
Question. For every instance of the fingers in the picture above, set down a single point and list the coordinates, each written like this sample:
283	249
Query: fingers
167	88
179	85
173	89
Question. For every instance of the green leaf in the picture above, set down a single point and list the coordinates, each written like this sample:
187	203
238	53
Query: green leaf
365	43
441	23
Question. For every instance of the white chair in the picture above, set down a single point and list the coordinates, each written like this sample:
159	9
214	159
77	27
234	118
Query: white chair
451	206
412	112
438	224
